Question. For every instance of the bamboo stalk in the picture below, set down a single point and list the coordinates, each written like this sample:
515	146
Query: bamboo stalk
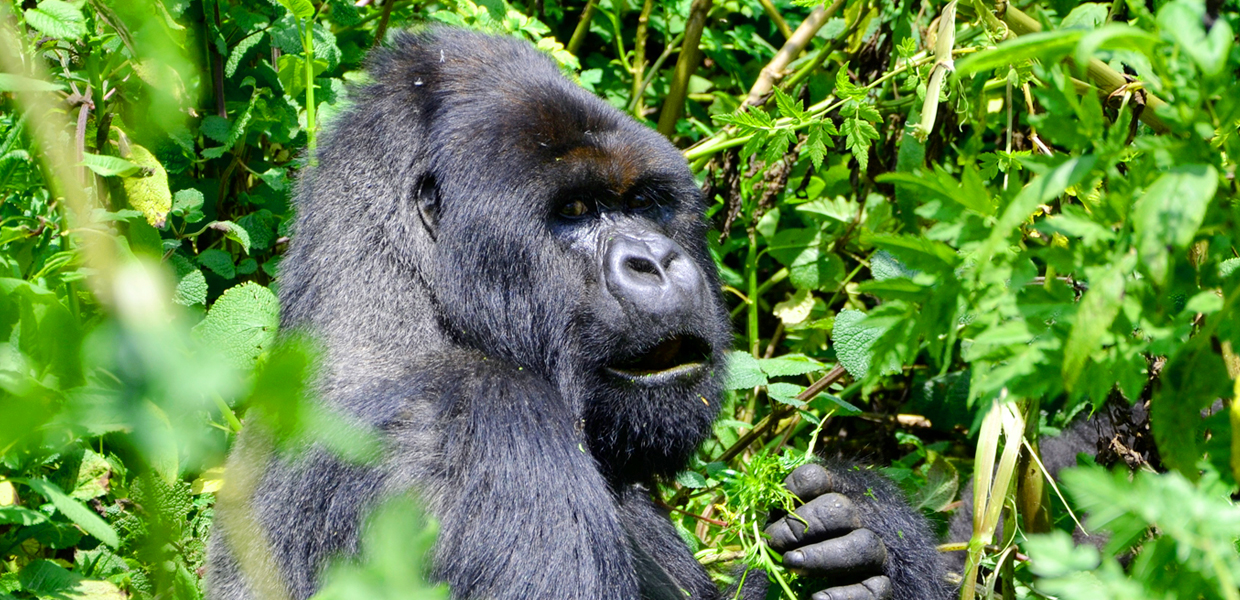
1106	79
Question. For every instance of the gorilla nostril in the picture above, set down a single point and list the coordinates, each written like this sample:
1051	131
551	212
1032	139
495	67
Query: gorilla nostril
641	264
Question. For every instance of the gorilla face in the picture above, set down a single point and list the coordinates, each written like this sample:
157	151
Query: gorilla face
574	245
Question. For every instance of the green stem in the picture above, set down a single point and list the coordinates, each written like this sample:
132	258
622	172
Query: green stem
751	273
307	44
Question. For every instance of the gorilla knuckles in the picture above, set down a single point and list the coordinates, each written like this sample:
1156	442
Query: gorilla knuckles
511	281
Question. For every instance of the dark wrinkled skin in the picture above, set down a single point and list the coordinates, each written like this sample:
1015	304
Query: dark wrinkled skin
512	284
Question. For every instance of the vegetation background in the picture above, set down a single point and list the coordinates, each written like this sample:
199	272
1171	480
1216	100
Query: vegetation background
946	231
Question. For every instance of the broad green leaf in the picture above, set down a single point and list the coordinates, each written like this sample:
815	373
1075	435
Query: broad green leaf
109	166
242	323
187	204
691	480
302	9
235	233
19	515
75	511
1115	36
1097	310
1044	46
218	261
785	393
191	284
884	265
17	83
789	364
57	19
1167	217
1183	22
854	340
744	371
148	191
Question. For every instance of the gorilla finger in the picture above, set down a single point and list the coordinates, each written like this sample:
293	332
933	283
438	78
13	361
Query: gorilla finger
823	517
874	588
809	481
860	552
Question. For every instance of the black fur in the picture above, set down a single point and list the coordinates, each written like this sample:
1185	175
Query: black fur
498	342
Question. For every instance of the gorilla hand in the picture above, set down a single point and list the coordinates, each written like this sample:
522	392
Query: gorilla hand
825	538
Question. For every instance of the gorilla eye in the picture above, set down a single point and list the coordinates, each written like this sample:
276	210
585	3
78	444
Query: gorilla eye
640	202
574	209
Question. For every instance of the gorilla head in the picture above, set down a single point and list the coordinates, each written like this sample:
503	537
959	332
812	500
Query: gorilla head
494	205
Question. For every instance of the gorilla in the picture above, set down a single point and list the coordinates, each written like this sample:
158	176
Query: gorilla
511	282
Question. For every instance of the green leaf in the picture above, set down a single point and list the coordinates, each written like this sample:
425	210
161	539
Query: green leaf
1096	312
744	372
108	166
691	479
884	265
148	191
854	340
1167	217
302	9
17	83
57	19
234	232
785	393
242	323
187	204
73	510
1046	46
20	515
191	284
789	364
238	52
218	261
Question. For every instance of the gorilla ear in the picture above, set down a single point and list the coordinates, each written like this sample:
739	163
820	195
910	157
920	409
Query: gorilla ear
426	199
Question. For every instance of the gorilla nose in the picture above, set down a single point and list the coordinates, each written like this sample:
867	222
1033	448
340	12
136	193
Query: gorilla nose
653	274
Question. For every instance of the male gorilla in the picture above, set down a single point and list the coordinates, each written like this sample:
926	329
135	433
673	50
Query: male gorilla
512	283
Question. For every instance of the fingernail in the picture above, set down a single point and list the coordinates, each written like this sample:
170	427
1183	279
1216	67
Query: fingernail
794	558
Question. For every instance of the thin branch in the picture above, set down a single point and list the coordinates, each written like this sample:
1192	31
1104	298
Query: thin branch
381	31
770	420
690	56
583	27
639	59
778	19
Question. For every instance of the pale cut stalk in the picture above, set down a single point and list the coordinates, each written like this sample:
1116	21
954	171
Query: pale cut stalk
990	491
943	64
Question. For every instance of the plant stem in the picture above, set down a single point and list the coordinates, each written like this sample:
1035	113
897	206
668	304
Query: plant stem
639	59
690	56
583	27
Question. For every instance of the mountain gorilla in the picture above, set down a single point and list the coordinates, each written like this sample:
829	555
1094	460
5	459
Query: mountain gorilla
512	283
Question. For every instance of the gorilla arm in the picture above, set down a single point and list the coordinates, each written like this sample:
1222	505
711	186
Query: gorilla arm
523	511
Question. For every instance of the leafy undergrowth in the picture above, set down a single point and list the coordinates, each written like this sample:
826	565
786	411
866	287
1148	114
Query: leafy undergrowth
945	230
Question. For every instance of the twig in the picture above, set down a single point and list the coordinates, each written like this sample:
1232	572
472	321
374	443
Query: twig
381	31
664	505
583	27
639	59
770	420
690	56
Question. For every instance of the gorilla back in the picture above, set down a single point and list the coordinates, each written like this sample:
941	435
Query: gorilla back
512	284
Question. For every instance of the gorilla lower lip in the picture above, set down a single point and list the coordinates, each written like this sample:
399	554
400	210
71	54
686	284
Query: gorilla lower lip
671	359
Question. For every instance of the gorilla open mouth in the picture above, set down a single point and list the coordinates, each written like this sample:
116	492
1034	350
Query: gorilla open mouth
675	358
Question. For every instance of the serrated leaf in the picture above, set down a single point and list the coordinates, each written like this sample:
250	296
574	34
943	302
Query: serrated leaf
73	510
191	284
854	340
108	166
789	364
234	232
186	202
788	107
785	393
691	480
884	265
744	372
238	52
218	261
57	19
242	323
148	191
858	134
